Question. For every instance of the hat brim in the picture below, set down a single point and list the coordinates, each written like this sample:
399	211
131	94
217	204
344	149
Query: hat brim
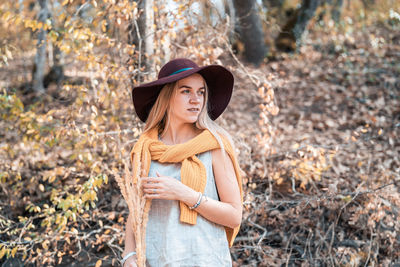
219	82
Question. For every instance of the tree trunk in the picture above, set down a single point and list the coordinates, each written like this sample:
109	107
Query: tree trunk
230	11
250	30
336	10
56	58
40	58
165	39
273	3
136	27
149	36
141	34
307	11
368	4
290	37
56	73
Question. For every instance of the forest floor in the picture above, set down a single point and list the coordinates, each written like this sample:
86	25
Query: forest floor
340	96
329	195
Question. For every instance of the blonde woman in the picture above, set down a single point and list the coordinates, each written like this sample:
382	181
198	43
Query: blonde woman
190	169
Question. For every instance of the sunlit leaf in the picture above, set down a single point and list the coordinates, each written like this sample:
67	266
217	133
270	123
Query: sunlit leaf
3	251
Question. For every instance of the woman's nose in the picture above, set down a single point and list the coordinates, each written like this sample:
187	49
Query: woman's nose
194	98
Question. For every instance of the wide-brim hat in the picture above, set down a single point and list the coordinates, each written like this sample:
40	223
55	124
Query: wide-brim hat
219	82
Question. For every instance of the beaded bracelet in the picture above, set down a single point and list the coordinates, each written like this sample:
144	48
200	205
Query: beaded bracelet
127	256
197	203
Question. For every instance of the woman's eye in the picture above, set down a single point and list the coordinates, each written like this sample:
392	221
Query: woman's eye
201	92
185	91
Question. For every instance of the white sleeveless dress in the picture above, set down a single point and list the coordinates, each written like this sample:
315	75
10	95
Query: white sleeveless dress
170	243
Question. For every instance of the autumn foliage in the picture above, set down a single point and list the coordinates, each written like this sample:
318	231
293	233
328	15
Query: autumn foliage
317	132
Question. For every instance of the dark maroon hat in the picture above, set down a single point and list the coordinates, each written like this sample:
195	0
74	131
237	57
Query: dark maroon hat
219	82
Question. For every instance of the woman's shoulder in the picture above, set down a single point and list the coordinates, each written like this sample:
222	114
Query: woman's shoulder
219	157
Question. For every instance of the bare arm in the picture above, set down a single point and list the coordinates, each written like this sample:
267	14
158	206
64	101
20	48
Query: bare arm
129	237
227	211
130	244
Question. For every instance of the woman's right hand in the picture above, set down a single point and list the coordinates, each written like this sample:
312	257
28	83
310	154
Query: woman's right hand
131	262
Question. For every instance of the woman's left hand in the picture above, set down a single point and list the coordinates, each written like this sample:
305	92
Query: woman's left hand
165	187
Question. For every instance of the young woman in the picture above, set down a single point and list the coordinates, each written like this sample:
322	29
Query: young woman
191	175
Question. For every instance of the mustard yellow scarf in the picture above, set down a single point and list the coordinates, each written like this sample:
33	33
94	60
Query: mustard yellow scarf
193	172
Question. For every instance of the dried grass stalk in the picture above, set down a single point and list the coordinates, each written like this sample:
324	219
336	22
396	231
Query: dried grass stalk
139	207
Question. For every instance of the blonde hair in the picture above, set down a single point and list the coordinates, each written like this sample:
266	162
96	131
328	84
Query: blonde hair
159	115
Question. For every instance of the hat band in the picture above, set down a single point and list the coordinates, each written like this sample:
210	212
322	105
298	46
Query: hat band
178	71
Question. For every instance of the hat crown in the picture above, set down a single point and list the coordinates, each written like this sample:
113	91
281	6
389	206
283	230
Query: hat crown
175	66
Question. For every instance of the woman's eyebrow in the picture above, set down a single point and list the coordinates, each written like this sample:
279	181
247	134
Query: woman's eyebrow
187	86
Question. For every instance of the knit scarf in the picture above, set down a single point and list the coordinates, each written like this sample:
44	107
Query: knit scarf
193	172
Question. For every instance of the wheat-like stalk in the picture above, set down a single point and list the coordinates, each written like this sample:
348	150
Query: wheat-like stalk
139	207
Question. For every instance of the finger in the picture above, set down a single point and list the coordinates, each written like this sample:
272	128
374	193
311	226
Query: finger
158	174
143	183
151	186
152	196
148	181
152	191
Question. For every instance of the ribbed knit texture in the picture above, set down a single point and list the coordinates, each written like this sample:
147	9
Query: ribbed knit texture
193	172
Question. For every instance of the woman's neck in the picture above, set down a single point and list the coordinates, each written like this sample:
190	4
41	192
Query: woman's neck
178	134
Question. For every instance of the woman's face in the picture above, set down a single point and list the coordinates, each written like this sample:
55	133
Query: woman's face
188	99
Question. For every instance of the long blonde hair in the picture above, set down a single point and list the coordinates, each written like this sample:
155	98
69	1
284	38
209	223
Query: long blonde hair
160	115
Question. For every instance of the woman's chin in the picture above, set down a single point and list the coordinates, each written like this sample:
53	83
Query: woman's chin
191	119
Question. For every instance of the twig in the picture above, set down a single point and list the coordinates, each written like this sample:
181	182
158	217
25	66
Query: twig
262	238
308	242
290	251
140	48
251	77
111	245
246	238
257	225
79	250
80	8
370	248
25	225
